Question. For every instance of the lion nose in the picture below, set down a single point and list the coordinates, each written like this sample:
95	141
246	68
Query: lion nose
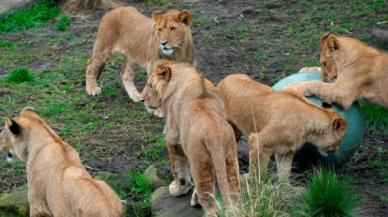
163	43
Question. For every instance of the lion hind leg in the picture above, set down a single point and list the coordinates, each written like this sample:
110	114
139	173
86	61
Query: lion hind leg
283	164
205	181
259	156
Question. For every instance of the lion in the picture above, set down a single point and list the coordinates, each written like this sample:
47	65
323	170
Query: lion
277	122
142	40
197	134
58	183
355	69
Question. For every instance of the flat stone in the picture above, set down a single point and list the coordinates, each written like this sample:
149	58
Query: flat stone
7	6
165	205
155	177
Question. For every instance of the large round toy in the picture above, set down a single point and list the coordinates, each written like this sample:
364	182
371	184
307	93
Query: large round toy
353	136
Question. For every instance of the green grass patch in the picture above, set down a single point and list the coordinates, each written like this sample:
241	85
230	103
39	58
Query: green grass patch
328	194
63	23
34	16
131	186
7	45
20	75
375	116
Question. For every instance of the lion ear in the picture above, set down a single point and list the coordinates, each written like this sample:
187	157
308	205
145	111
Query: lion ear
156	15
332	42
164	71
185	17
339	125
14	127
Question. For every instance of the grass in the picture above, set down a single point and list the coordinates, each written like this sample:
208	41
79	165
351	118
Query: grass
328	194
63	23
261	197
34	16
375	116
133	187
380	161
19	75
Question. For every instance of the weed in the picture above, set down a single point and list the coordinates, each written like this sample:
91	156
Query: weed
328	194
375	116
20	75
34	16
63	23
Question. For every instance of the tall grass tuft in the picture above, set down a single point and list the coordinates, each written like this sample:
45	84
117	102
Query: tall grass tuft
19	75
327	194
34	16
375	116
260	197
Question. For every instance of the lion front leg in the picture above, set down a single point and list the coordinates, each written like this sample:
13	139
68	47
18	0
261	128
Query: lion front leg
340	94
180	168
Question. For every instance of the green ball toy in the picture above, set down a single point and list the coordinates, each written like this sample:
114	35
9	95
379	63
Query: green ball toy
353	137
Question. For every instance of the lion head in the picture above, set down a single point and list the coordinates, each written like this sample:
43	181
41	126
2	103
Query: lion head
329	56
172	29
330	142
156	85
12	137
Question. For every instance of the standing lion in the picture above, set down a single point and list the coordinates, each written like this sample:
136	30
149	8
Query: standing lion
142	40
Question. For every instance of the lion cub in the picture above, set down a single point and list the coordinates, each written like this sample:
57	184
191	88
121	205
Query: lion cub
358	71
277	123
58	184
198	135
142	40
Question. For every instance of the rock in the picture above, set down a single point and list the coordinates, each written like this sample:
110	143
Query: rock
380	38
7	6
165	205
155	177
14	203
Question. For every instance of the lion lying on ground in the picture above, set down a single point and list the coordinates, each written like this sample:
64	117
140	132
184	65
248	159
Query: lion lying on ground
277	123
360	72
142	40
58	184
198	135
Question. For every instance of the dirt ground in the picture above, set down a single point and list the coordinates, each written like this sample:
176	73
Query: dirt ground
265	39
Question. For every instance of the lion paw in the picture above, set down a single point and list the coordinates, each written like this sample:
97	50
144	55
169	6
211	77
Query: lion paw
136	96
177	189
194	199
310	69
93	89
159	112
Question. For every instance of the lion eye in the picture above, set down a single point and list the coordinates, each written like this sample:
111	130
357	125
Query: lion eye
159	29
172	28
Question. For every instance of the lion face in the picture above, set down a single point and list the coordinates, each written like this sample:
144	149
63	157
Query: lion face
329	56
156	85
172	29
11	141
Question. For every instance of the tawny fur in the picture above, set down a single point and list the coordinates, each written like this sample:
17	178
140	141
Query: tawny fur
197	133
360	71
58	184
142	40
277	123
